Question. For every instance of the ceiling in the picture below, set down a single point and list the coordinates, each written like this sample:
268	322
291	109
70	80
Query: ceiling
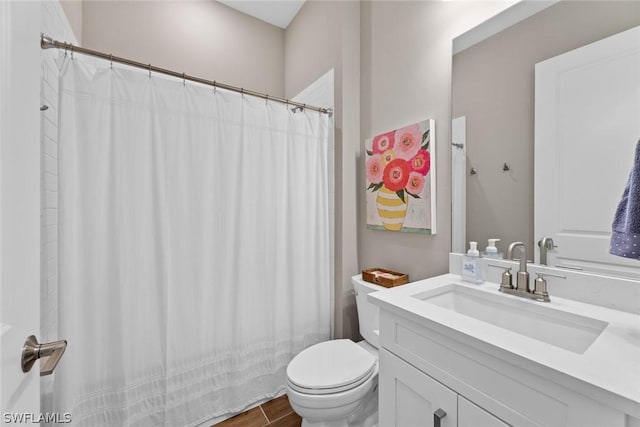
276	12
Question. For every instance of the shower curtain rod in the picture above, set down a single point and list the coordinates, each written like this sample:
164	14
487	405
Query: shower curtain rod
49	43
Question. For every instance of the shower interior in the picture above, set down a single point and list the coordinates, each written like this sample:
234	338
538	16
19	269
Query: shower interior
55	24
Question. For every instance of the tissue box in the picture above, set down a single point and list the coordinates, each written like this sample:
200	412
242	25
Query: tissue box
384	277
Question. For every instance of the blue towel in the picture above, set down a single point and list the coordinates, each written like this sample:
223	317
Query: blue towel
625	239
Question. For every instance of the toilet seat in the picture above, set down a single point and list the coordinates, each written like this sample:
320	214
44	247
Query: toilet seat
330	367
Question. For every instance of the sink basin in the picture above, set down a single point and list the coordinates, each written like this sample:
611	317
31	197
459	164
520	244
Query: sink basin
533	319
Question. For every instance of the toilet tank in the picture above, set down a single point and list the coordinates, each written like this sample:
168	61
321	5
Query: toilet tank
368	314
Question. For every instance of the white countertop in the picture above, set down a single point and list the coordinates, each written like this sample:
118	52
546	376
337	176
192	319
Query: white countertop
608	370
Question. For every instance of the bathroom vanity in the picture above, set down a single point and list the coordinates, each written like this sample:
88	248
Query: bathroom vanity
459	354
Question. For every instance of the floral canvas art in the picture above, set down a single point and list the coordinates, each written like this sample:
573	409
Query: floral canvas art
400	184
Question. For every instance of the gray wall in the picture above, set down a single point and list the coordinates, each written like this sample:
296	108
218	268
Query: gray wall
203	38
73	12
392	62
493	86
326	35
406	77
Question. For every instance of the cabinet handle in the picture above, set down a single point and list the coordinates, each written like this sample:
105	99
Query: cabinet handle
438	416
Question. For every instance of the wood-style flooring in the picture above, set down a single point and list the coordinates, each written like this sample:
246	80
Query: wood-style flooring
275	413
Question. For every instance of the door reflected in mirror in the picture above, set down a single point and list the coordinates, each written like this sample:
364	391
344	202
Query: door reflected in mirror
493	88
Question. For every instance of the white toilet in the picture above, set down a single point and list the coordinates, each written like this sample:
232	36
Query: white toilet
335	383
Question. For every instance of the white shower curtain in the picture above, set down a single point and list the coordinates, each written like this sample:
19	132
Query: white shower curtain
194	246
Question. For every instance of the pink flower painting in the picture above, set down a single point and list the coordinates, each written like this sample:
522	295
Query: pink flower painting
382	143
396	175
409	141
415	183
374	168
400	179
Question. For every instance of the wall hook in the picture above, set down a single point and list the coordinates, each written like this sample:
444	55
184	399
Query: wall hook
505	167
474	171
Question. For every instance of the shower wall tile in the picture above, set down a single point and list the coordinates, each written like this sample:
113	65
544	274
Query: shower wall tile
54	24
50	148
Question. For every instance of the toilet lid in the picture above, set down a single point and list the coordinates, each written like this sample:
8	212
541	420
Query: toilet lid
330	365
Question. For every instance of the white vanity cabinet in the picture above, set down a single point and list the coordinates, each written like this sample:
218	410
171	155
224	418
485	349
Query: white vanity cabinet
411	398
425	367
470	415
408	397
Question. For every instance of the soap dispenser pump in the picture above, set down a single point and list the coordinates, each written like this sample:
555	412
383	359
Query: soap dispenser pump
473	249
492	251
472	265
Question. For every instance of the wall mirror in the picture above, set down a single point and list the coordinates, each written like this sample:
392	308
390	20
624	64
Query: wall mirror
496	192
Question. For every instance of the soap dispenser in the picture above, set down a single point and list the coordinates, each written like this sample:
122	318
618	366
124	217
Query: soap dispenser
492	251
472	265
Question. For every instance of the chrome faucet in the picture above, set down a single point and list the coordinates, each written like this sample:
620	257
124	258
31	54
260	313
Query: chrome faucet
545	244
522	277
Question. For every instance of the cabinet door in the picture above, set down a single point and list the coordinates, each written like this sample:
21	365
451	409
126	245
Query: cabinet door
410	398
471	415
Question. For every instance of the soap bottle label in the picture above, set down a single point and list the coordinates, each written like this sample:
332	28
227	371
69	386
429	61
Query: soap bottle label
469	268
472	269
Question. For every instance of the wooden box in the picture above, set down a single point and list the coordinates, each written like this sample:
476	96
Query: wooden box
384	277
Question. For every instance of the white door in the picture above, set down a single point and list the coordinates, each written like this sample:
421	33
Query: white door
19	206
410	398
587	110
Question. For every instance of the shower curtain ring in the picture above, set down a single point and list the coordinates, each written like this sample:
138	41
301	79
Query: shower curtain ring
215	87
149	66
184	79
111	60
266	100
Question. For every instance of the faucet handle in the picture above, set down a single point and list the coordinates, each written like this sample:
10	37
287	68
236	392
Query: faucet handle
540	286
547	243
506	276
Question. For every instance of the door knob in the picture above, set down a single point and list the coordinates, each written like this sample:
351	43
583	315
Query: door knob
33	350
